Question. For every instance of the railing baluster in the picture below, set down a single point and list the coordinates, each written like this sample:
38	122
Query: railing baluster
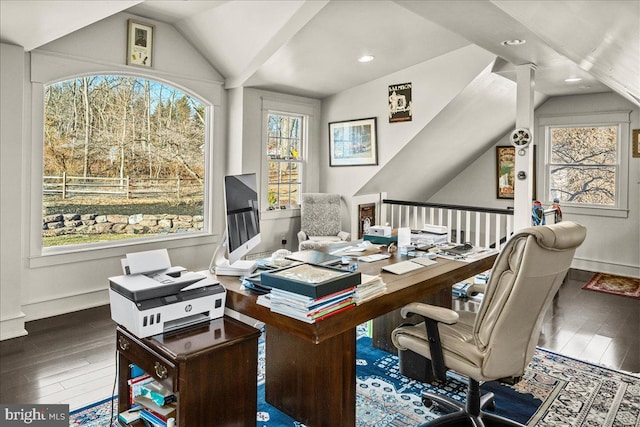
498	227
458	227
477	240
467	225
487	231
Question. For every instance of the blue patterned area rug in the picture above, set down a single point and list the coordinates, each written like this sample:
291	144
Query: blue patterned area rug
555	391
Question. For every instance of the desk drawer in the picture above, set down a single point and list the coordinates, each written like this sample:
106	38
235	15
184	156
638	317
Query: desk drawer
148	360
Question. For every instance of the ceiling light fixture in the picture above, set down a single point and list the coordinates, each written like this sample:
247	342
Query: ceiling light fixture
573	79
365	58
513	42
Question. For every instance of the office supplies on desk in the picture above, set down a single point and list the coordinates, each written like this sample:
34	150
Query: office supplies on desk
153	302
380	230
402	267
373	257
408	265
424	261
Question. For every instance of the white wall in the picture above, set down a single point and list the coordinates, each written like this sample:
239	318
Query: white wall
435	84
42	286
612	244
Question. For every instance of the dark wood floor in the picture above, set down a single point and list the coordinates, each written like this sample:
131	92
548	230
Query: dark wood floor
71	358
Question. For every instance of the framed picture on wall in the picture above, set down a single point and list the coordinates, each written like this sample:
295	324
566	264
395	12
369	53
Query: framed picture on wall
139	43
635	143
366	218
353	143
505	171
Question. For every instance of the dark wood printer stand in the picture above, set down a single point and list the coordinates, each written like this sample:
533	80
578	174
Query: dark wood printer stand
211	367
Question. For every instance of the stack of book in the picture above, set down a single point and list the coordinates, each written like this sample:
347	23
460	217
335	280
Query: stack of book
308	309
149	401
371	287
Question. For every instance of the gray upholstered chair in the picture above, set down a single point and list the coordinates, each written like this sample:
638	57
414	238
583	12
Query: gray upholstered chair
320	221
499	340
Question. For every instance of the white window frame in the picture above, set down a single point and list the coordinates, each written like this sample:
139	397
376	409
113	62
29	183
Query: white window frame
621	119
278	106
48	68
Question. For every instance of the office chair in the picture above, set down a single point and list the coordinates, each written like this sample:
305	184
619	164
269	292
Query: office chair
497	342
320	221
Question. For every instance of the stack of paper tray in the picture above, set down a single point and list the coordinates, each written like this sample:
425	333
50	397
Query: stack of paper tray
314	281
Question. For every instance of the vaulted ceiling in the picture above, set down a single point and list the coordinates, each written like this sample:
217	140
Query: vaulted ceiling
310	47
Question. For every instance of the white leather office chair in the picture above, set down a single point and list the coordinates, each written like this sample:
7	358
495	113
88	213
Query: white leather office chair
320	221
500	339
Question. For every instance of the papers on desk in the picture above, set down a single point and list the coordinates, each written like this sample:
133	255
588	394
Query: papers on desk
373	258
409	265
472	255
371	287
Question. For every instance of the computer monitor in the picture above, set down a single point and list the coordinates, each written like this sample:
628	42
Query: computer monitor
243	222
242	226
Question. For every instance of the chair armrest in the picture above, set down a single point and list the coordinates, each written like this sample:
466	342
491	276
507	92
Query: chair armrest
477	287
439	314
302	236
343	235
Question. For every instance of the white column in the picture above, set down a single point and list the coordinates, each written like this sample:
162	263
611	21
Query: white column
11	190
523	188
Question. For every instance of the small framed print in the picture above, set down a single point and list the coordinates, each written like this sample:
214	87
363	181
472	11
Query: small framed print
505	176
367	214
635	142
139	43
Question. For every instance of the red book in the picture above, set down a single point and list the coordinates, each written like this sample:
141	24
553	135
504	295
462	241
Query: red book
336	312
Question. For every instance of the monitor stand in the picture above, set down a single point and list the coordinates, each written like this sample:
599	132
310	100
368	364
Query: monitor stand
220	264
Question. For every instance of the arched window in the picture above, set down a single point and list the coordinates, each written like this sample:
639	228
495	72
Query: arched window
124	157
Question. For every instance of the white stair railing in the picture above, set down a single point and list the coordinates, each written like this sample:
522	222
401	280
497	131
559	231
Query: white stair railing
486	227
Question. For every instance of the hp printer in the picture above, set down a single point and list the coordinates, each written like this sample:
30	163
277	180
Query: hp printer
154	298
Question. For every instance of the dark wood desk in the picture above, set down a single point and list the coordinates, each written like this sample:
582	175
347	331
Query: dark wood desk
310	368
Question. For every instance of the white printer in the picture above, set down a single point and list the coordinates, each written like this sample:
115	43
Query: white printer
154	298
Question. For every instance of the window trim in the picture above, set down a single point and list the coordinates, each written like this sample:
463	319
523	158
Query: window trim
621	119
269	106
48	68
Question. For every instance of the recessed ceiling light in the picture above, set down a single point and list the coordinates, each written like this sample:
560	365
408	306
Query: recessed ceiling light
365	58
573	79
513	42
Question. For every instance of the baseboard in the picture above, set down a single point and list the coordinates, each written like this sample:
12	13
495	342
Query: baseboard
13	327
64	305
606	267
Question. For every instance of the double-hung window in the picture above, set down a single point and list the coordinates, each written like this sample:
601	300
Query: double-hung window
285	148
585	167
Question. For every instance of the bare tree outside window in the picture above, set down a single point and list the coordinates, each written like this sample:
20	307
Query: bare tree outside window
284	154
583	165
123	157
